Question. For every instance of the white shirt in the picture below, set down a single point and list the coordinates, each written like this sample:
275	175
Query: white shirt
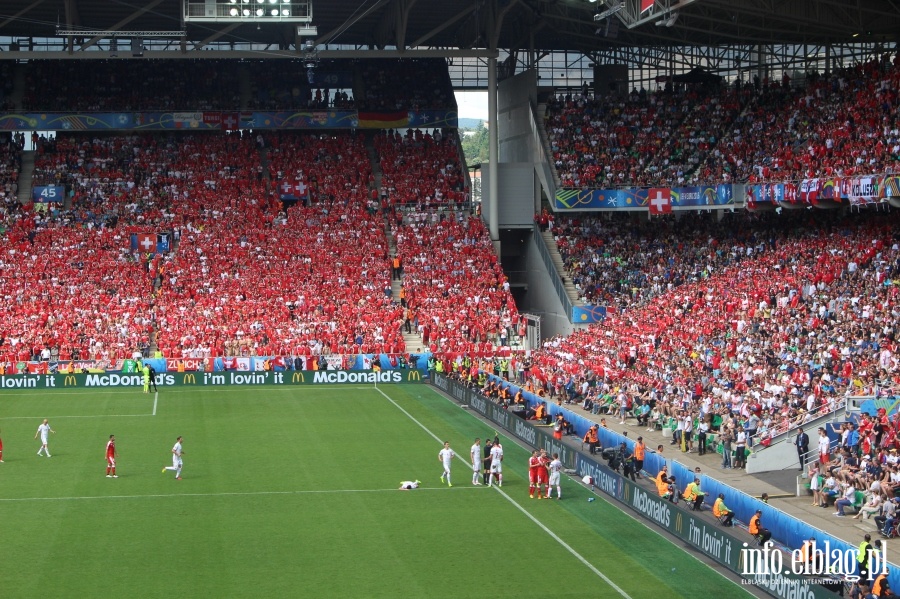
475	453
44	430
447	455
556	466
496	454
177	449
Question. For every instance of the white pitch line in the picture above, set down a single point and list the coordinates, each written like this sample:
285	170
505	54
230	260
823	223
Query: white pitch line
234	494
540	524
81	416
155	399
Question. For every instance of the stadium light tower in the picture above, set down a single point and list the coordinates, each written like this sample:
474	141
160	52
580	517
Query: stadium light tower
248	11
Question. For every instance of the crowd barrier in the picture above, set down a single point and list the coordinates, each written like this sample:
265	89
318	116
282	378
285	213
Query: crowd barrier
700	534
418	361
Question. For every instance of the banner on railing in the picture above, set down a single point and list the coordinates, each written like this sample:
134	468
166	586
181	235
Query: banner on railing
633	199
218	120
207	379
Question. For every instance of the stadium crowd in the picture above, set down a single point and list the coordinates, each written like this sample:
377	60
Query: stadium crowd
839	124
454	284
421	169
754	324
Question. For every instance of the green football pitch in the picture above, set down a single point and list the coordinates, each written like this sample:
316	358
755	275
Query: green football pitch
293	492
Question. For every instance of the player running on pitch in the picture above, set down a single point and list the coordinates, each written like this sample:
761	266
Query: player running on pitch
177	452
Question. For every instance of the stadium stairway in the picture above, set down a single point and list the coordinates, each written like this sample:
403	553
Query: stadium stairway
373	160
412	341
567	282
26	175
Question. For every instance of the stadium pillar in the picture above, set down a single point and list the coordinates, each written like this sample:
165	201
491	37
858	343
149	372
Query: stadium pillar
493	152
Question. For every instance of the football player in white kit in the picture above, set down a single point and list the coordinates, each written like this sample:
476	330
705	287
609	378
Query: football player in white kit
475	455
177	452
496	464
44	431
406	485
555	471
446	456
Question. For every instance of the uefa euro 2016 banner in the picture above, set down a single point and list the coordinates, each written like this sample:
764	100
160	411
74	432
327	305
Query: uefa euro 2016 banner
632	199
18	382
217	121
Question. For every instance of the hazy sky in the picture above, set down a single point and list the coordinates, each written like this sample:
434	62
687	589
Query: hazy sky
472	105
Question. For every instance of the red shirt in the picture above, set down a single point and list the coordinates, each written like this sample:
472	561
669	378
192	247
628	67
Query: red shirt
111	449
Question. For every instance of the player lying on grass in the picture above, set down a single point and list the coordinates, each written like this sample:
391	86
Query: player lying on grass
406	485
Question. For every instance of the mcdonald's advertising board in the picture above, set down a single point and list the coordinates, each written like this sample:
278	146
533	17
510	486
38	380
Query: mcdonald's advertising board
209	379
702	535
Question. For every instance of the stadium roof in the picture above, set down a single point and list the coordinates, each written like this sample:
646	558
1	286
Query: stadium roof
503	24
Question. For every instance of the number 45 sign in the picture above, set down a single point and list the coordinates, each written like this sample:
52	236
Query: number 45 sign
47	193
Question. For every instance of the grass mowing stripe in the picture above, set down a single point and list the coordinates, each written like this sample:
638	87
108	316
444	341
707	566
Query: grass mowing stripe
228	494
553	535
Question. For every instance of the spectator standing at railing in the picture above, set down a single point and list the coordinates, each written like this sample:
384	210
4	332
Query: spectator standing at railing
802	443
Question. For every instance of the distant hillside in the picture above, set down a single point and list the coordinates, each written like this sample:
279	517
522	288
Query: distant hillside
469	123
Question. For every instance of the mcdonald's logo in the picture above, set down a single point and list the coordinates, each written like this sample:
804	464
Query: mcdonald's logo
414	375
189	379
70	380
297	377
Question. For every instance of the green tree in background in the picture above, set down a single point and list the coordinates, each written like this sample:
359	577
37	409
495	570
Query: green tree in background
475	146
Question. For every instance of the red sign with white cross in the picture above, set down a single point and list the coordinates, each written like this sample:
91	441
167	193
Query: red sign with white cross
659	200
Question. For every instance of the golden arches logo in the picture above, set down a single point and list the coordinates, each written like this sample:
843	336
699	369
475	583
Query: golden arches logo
70	380
189	379
297	377
678	521
414	375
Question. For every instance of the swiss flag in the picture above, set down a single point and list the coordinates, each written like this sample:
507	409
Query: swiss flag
146	242
300	188
659	200
646	4
230	121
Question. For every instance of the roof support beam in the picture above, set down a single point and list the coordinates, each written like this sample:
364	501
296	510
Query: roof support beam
457	17
123	22
216	35
20	13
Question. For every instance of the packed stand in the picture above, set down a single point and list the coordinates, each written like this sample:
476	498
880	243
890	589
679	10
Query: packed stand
744	328
320	272
330	167
420	168
453	284
404	85
75	291
638	140
842	124
126	84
